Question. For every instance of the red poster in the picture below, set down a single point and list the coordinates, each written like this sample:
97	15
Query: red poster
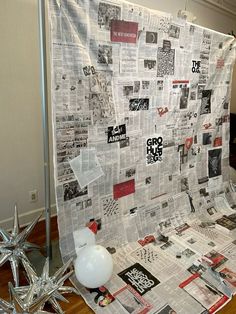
218	304
148	239
123	189
217	141
123	31
188	142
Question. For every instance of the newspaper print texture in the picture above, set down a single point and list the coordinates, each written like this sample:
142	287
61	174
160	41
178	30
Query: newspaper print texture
162	98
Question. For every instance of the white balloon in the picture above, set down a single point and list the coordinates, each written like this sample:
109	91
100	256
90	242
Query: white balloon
93	266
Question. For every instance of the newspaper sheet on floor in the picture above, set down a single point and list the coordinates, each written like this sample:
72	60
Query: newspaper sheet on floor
140	104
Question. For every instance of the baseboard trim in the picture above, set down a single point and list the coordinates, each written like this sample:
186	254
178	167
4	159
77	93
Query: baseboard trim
26	218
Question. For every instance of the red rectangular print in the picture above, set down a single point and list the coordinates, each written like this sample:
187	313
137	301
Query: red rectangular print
123	189
124	31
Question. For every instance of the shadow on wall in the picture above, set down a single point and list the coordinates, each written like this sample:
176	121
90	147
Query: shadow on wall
233	94
233	129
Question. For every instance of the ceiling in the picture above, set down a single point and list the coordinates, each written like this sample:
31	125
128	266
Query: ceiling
230	4
224	5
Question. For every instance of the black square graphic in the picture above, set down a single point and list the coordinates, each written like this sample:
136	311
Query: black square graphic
214	162
139	278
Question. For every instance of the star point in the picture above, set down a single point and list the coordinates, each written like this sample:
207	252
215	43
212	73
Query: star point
14	245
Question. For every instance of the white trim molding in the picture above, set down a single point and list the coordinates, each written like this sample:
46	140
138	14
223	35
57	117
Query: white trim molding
27	217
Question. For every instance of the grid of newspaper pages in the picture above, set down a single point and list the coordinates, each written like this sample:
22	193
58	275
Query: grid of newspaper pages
141	130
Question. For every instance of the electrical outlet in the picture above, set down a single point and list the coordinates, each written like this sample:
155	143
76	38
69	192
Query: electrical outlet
33	196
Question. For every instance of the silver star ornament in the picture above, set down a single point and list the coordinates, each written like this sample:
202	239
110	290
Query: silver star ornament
17	305
14	245
38	285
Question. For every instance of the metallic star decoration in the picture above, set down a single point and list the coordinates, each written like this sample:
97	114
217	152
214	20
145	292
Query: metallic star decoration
14	245
38	285
19	305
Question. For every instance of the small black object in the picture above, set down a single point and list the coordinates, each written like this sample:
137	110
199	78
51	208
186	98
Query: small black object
178	255
163	238
222	275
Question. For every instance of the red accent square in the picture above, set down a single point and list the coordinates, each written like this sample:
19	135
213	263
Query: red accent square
123	189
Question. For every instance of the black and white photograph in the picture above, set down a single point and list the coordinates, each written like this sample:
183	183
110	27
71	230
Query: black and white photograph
188	253
214	162
183	103
84	204
193	95
203	78
130	172
145	85
211	210
106	13
166	45
184	184
166	310
151	37
150	64
128	90
203	192
167	245
206	102
194	269
136	86
192	29
71	190
105	54
160	85
64	171
136	104
232	217
226	223
174	31
200	89
211	243
191	241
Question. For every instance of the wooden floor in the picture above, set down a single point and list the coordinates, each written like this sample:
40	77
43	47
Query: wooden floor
76	303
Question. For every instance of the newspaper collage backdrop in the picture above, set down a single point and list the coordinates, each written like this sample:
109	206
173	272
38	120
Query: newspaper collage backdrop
141	131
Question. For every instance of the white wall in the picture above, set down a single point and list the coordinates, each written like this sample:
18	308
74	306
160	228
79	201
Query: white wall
207	16
21	167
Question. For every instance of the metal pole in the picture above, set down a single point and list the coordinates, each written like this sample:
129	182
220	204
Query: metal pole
44	104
